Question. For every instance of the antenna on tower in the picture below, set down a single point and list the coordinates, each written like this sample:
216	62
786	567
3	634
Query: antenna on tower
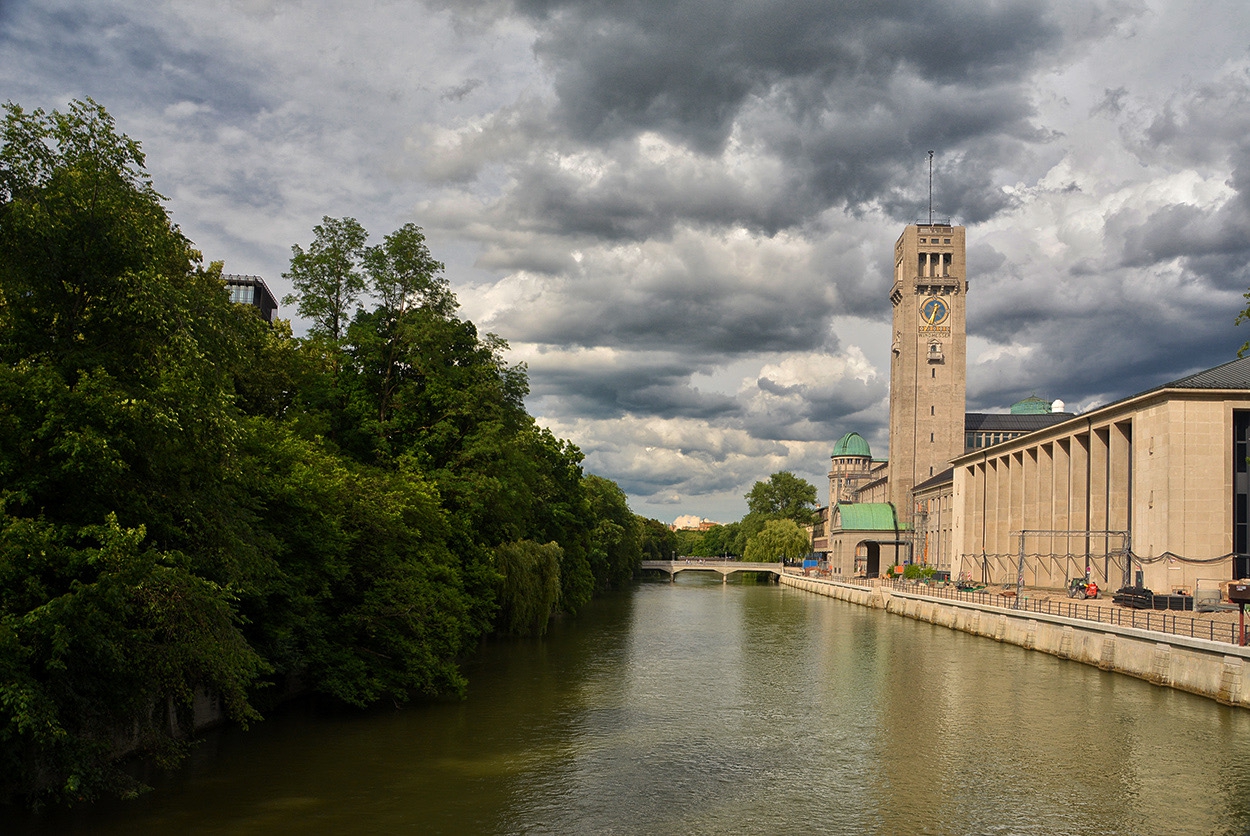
930	188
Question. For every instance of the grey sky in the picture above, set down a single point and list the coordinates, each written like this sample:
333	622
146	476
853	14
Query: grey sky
681	214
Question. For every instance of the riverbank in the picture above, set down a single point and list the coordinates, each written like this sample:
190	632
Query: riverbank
1212	669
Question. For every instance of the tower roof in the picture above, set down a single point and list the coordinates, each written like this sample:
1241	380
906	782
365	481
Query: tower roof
868	516
852	444
1032	405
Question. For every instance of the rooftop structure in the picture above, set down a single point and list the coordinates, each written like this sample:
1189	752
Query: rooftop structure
251	290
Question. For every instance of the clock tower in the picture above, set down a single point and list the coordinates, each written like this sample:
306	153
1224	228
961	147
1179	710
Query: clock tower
928	360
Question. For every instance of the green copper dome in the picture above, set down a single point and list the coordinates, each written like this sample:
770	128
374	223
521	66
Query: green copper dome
1031	406
852	444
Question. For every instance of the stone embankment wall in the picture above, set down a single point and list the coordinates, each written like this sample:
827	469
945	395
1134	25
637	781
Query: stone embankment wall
1216	670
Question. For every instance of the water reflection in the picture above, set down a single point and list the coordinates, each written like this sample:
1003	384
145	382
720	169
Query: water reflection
697	707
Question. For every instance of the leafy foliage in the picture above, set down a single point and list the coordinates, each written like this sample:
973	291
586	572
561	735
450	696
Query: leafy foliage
659	542
327	276
120	540
194	502
529	587
779	539
783	496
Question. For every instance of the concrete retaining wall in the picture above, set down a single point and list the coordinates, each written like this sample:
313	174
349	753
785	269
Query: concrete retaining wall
1210	669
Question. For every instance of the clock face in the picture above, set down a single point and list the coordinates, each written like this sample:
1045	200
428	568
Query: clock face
934	311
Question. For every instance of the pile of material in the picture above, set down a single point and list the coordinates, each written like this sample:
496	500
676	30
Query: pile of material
1137	597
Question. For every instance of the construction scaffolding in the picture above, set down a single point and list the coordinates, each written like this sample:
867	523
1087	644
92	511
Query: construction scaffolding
1050	558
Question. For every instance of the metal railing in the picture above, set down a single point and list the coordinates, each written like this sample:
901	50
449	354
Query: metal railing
1159	621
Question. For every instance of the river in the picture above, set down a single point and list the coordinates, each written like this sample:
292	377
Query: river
702	708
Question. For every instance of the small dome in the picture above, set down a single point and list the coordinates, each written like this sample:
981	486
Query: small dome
1031	406
852	444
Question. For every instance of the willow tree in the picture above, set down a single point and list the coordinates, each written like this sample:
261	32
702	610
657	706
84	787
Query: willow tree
778	540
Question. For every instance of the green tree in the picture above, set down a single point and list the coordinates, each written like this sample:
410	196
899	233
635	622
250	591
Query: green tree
616	535
659	542
688	542
403	274
122	536
172	515
719	541
328	277
529	585
783	496
417	383
779	539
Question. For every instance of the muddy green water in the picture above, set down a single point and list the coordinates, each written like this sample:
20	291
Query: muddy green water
697	708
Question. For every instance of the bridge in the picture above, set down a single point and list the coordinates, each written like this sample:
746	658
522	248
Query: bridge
696	564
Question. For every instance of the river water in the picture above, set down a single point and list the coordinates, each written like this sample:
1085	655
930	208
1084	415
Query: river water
702	708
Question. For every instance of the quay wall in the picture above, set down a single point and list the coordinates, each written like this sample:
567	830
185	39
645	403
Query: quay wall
1215	670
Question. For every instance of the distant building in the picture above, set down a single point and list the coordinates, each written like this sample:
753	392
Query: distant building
690	522
985	429
251	290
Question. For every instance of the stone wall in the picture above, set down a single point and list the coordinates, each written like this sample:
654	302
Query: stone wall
1215	670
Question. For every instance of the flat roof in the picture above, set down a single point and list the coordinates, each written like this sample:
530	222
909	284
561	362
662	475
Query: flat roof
1004	421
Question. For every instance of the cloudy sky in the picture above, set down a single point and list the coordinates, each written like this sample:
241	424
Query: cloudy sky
681	213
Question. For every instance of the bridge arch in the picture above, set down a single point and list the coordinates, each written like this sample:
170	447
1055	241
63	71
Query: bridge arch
724	567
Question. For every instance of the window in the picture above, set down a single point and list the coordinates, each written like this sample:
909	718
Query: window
931	410
242	294
1241	487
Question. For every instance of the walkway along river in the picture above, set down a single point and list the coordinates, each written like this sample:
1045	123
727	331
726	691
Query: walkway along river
697	707
1209	668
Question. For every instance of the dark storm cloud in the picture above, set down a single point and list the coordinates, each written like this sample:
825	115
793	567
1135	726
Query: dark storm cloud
847	94
120	59
661	389
810	412
686	68
636	199
722	323
1213	245
1096	335
1101	359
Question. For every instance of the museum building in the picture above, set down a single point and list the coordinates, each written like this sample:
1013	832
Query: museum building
1151	489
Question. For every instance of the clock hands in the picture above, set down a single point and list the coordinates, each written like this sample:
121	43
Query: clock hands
932	310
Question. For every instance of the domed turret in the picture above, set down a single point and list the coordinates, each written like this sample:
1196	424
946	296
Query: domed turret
852	444
850	467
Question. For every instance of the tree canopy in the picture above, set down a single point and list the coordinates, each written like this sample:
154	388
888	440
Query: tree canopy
192	500
783	496
778	540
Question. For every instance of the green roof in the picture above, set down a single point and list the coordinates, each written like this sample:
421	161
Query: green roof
852	444
868	516
1031	406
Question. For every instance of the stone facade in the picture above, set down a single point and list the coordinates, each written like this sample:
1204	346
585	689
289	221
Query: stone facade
928	358
1145	485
